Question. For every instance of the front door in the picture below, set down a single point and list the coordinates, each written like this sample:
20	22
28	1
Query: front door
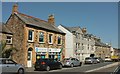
29	60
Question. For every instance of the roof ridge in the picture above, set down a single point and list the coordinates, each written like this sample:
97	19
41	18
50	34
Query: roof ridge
32	17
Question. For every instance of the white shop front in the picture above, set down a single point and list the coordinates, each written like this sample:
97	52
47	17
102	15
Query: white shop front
47	53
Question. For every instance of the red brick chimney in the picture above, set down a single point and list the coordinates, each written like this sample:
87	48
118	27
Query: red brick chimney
15	8
51	19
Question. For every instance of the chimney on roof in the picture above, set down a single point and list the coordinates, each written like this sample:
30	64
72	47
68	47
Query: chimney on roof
51	19
15	8
84	30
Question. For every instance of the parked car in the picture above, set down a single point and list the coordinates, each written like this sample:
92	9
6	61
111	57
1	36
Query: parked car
90	60
47	64
71	62
108	59
99	59
10	66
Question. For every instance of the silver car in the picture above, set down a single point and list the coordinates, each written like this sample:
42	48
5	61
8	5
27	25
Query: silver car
90	60
9	66
71	62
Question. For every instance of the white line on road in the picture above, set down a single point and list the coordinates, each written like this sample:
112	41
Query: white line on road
107	66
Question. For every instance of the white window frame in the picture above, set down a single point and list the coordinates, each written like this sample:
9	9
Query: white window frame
51	39
9	39
32	36
43	37
61	40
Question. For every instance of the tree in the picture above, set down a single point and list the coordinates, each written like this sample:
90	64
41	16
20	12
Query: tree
5	53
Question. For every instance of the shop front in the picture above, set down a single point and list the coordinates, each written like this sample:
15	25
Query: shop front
54	53
40	52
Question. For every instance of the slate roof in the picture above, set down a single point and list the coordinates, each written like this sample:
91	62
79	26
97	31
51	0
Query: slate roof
97	43
29	20
4	29
71	29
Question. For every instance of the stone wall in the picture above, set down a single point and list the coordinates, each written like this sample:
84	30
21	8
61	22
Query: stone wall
17	27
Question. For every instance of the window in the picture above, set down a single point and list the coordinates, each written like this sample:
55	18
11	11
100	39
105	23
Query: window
30	35
59	40
41	37
9	40
50	38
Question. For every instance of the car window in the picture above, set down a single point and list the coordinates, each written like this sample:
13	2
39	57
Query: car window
0	61
4	61
73	59
67	59
10	62
87	58
76	59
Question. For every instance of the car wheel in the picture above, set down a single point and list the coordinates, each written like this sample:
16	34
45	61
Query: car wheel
47	68
71	65
21	71
80	64
60	66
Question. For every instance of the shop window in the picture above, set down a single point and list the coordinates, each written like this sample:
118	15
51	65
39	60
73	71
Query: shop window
41	37
59	40
30	35
9	40
50	38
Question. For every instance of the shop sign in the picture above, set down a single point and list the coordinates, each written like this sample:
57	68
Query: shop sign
37	49
54	50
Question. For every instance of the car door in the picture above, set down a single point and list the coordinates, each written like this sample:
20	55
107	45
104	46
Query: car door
77	62
51	64
11	66
4	66
73	61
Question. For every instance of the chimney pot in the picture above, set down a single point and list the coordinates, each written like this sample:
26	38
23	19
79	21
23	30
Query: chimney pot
51	19
15	8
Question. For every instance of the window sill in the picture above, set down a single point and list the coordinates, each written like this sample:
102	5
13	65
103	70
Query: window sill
41	42
59	44
30	41
9	43
50	43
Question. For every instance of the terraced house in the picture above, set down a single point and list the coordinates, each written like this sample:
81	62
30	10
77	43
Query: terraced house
35	38
79	44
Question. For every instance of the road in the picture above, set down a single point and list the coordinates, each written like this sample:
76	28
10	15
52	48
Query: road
81	69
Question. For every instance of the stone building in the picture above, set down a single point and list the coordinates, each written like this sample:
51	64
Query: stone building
35	38
5	39
101	49
5	35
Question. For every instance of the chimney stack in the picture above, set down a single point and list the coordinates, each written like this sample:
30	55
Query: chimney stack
51	19
15	8
84	30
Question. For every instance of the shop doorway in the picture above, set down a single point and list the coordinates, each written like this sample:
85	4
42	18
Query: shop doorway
29	57
51	56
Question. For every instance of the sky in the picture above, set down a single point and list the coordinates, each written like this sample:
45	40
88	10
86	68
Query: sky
100	18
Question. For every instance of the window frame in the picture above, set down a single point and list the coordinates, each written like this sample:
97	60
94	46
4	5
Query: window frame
43	37
51	39
9	39
60	40
32	36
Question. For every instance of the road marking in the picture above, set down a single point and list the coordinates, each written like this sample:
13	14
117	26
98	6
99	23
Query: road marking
116	70
107	66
